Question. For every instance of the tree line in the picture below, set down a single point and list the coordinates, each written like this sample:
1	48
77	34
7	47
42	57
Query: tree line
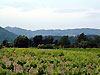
38	41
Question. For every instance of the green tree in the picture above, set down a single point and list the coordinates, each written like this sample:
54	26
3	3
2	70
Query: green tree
97	40
75	44
49	40
30	43
10	45
56	42
21	41
5	43
0	46
92	43
37	40
83	44
82	37
65	42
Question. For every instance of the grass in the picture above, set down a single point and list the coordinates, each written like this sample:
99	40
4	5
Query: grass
35	61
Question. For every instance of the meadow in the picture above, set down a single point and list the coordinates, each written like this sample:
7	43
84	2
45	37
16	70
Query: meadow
33	61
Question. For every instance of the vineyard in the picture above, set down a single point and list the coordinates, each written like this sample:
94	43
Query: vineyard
33	61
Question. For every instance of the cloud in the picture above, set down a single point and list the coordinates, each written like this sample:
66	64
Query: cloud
69	10
33	4
47	17
42	13
39	17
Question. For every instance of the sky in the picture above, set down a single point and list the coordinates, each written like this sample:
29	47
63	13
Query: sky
50	14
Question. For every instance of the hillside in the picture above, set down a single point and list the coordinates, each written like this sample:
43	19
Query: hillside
29	33
6	35
19	31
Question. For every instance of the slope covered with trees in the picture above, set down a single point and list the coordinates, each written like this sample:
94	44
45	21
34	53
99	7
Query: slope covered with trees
6	35
29	33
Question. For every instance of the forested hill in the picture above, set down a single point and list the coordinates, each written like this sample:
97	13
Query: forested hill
19	31
6	35
29	33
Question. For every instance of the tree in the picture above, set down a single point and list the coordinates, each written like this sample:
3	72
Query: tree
0	46
65	42
5	43
91	43
82	37
37	40
83	44
30	43
49	40
21	41
75	44
56	42
97	39
10	45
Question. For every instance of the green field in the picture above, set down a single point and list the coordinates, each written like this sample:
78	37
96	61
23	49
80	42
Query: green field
31	61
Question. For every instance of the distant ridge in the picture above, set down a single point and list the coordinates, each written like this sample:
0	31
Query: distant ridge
20	31
6	35
56	32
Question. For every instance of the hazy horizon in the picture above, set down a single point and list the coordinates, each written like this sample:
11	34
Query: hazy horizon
48	29
50	14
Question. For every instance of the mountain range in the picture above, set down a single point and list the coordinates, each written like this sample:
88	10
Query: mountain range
70	32
10	33
6	35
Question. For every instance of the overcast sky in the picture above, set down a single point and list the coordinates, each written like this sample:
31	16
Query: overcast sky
50	14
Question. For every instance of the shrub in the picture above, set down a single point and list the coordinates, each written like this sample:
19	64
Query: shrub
43	61
44	66
61	54
3	47
1	56
11	59
32	54
21	62
57	61
98	55
41	46
34	65
41	71
3	66
11	67
19	73
47	46
3	72
51	61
